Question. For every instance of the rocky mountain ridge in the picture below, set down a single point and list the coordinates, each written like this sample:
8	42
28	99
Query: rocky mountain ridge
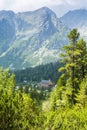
76	19
36	37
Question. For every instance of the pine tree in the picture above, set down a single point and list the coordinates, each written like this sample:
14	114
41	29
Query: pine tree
82	58
17	110
75	62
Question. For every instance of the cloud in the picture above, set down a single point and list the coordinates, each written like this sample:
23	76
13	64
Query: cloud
21	5
77	3
28	5
69	5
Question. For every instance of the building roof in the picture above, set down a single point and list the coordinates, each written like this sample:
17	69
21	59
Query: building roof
45	81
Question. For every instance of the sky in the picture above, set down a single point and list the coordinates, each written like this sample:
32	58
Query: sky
60	7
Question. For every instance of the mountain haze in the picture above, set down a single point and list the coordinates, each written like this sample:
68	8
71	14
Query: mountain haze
30	38
76	19
33	38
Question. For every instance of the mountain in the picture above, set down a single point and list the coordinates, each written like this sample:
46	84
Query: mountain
30	38
76	19
33	38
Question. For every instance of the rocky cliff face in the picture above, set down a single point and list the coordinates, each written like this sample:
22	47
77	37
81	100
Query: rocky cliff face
33	38
30	38
76	19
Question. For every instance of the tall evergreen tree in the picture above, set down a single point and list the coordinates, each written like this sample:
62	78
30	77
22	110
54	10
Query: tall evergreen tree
73	37
74	58
82	58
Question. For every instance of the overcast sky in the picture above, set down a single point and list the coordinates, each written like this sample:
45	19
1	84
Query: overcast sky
59	6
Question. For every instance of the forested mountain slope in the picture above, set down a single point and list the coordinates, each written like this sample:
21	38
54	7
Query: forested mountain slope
36	74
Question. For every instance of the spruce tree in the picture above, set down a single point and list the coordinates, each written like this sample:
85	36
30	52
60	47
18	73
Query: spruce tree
74	57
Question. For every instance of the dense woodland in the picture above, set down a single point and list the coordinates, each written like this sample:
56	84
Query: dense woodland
36	74
65	109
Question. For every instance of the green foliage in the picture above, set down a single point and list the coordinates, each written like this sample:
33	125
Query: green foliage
68	109
65	116
82	94
73	35
38	73
67	119
75	63
17	110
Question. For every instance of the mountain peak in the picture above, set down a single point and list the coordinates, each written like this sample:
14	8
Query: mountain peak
30	38
46	9
40	11
77	12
